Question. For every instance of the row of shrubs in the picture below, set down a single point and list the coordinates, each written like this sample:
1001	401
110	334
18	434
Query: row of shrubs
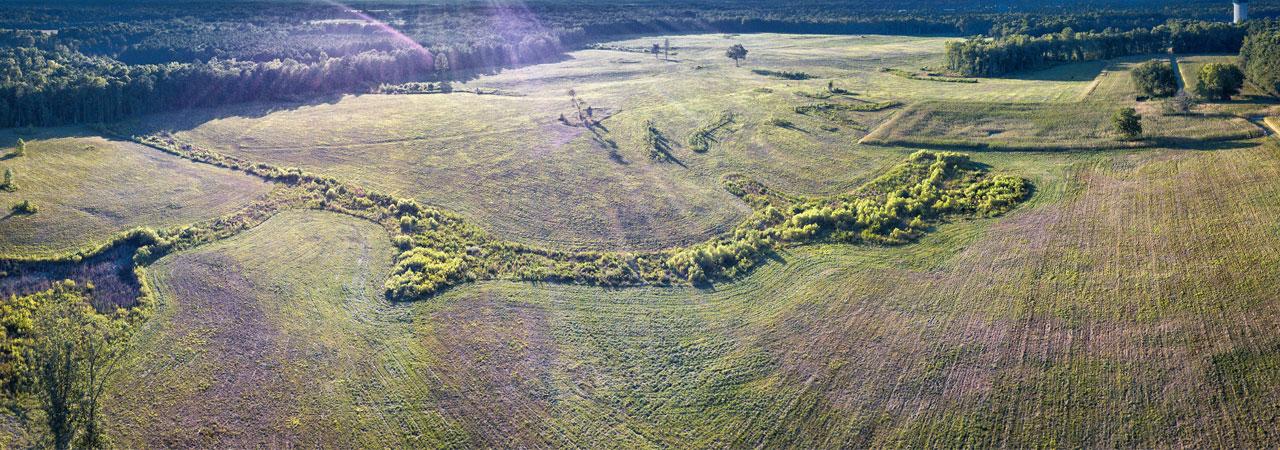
701	139
439	250
895	208
783	74
927	76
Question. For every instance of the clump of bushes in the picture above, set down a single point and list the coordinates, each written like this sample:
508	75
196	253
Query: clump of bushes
893	209
927	76
8	183
1155	79
1178	105
657	143
24	207
782	74
780	122
701	139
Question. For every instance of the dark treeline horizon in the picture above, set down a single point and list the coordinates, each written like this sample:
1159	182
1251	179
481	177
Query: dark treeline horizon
81	61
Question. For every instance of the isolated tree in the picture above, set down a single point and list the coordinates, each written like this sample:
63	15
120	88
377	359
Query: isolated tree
1155	79
442	63
73	353
22	148
831	86
1219	81
737	53
657	50
8	184
1127	123
666	48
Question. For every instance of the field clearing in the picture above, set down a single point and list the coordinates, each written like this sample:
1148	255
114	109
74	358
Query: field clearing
88	188
1123	289
1081	125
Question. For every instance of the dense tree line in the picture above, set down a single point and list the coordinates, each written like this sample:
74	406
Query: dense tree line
85	62
1260	58
47	87
981	56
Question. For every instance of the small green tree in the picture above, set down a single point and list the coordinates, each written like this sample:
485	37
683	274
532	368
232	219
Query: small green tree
1219	81
737	53
22	148
9	184
1127	123
72	353
1155	79
24	207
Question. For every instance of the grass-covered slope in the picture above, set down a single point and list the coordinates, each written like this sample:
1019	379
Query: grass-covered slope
87	189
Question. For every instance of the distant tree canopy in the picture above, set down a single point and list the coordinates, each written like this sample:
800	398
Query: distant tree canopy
1219	81
1260	57
98	63
987	57
1155	79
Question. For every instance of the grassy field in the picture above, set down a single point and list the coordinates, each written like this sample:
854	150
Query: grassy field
1079	125
502	160
1127	303
1122	307
280	337
88	188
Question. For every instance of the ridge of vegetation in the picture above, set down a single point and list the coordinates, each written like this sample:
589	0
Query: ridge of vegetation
439	249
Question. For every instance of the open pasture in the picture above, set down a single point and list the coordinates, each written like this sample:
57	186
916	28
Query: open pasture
510	164
87	188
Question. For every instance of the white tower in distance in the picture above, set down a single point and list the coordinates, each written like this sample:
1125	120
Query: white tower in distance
1241	10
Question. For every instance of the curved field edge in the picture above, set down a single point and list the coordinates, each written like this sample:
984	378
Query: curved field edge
440	250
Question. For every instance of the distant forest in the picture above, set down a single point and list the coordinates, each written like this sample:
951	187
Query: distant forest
90	61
